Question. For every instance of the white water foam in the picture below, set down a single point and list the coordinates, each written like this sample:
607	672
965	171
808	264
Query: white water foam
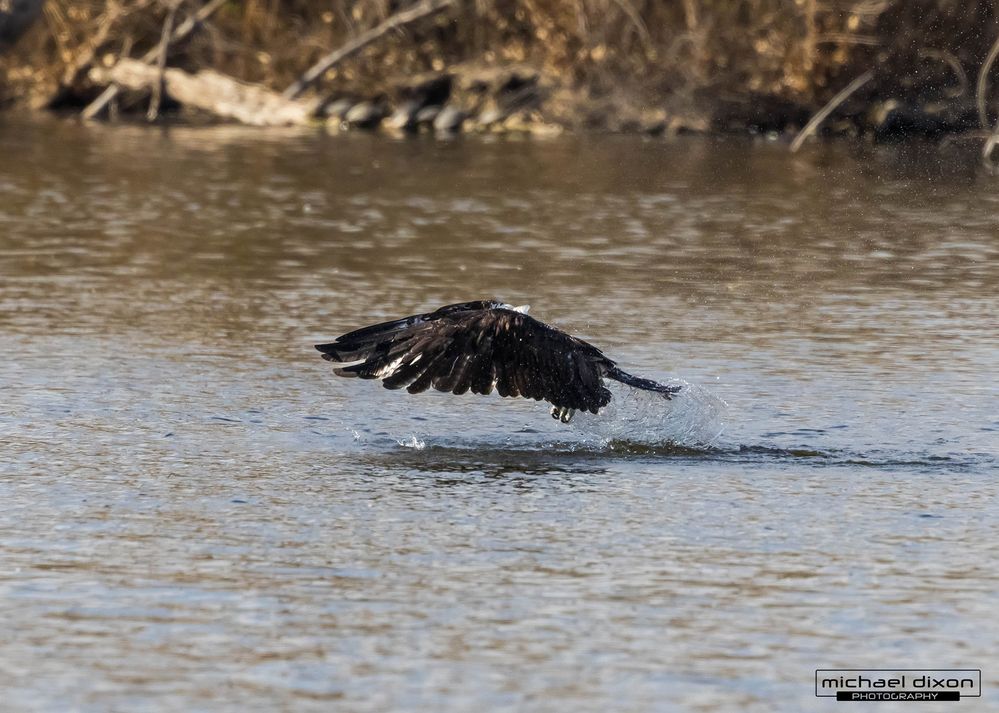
692	418
413	442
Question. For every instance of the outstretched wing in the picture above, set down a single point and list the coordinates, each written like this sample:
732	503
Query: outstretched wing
476	346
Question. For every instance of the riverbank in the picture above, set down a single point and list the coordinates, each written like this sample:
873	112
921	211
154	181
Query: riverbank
880	69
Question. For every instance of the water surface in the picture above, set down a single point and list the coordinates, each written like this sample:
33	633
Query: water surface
198	516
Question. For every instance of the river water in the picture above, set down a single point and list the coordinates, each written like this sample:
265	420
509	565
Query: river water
197	515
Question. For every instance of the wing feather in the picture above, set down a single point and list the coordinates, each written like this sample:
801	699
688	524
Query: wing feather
551	382
504	381
530	375
425	380
477	346
596	394
483	368
406	373
448	366
457	381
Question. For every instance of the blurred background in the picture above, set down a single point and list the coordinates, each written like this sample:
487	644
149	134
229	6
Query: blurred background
618	65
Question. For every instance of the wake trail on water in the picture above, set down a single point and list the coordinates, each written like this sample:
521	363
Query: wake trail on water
692	418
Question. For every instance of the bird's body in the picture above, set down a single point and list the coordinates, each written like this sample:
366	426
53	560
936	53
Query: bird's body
481	346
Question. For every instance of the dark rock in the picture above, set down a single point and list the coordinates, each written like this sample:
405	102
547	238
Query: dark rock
404	117
517	92
427	115
417	94
433	90
365	115
491	117
449	120
653	127
338	108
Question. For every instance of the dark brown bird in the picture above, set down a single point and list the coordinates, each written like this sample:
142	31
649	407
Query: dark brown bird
481	346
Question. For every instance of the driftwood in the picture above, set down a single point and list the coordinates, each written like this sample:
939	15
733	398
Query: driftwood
212	92
981	86
828	109
179	33
398	20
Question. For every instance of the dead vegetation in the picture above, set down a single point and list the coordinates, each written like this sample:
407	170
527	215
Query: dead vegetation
767	65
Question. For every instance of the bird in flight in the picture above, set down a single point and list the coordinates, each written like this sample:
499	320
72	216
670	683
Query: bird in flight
481	346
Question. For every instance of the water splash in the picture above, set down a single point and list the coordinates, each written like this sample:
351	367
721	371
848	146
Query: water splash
413	442
693	418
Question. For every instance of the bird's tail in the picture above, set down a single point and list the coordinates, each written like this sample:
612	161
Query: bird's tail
639	383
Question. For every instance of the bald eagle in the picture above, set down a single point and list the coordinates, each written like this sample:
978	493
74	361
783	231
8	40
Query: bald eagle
479	346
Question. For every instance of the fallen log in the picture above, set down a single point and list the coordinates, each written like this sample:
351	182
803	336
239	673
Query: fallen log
212	92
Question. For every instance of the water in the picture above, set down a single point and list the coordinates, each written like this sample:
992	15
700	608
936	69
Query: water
198	516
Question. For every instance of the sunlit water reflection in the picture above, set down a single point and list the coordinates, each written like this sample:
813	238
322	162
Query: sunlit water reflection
198	515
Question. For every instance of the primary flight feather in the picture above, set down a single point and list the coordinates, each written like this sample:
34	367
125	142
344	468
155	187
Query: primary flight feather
481	346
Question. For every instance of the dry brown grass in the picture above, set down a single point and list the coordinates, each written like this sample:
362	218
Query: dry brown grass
799	50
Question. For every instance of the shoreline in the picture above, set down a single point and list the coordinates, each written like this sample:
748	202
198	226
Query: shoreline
954	152
889	123
886	73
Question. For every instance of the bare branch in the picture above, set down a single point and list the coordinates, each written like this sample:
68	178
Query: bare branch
828	109
179	33
154	102
399	19
981	86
